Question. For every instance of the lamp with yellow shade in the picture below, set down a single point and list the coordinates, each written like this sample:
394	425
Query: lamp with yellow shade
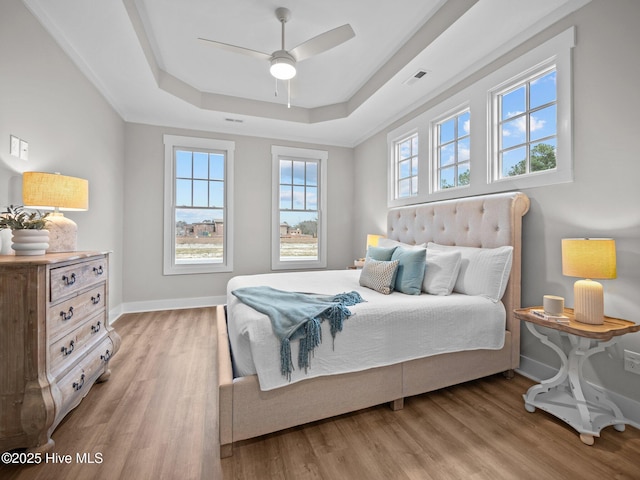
372	240
60	193
589	258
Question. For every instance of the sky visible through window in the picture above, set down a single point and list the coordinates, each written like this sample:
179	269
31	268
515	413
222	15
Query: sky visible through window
298	191
199	186
528	117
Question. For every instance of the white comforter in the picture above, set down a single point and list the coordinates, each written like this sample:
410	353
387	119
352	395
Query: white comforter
384	330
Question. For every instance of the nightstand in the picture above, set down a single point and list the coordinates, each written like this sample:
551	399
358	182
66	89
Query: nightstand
568	395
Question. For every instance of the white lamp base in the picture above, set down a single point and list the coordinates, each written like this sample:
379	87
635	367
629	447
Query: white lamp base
588	302
63	233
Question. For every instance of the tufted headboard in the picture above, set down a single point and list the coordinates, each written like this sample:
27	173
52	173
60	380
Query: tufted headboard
486	221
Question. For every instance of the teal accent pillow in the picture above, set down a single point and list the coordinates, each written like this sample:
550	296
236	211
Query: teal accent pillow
411	268
382	254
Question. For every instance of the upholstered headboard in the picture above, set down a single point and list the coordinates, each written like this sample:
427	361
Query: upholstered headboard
486	221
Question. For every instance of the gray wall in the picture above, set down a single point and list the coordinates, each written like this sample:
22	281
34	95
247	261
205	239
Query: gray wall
71	129
143	215
603	200
45	100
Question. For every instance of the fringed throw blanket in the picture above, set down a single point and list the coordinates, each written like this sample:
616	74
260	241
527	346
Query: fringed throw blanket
296	315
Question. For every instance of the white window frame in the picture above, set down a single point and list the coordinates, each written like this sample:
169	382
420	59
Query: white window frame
435	142
495	173
171	143
396	165
305	154
478	96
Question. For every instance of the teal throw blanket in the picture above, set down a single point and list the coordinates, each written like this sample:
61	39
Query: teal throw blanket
296	315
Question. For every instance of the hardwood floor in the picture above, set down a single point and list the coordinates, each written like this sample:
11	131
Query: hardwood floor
156	416
477	430
156	419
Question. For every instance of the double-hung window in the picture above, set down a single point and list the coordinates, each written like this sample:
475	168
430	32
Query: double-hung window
198	196
299	200
452	151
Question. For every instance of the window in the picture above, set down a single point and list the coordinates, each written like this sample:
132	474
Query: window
453	151
521	135
527	125
198	184
299	186
406	167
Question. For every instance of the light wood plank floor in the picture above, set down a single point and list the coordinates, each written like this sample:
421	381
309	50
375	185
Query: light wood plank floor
156	416
477	430
155	419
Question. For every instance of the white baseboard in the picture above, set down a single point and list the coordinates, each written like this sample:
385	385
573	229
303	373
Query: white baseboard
538	371
167	304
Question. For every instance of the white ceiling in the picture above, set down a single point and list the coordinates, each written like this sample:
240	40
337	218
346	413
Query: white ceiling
146	59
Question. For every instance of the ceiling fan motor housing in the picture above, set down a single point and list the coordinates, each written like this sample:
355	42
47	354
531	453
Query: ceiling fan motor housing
283	65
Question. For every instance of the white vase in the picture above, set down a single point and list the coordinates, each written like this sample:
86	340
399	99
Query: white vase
5	242
30	242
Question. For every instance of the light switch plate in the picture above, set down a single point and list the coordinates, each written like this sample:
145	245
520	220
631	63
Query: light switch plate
15	146
24	150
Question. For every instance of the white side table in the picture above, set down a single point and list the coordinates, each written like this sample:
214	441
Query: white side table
567	395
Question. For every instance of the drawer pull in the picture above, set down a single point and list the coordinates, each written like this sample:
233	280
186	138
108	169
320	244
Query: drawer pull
67	351
98	270
78	385
96	328
95	300
106	357
69	280
67	315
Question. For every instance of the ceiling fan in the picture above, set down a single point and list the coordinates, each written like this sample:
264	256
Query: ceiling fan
283	62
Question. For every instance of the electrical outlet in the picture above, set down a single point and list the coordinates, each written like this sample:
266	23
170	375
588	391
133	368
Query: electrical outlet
632	361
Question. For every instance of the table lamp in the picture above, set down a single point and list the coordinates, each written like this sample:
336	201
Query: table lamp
57	192
372	240
589	258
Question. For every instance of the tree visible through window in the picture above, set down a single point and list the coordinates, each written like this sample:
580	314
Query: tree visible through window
199	212
298	209
198	200
299	203
528	126
453	151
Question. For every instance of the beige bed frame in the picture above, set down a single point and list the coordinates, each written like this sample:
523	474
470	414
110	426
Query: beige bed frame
484	221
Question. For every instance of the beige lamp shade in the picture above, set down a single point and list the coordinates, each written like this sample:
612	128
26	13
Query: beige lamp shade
589	258
58	192
52	190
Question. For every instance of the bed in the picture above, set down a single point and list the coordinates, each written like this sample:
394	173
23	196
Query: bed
257	400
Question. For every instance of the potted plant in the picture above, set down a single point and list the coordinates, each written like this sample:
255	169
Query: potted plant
29	234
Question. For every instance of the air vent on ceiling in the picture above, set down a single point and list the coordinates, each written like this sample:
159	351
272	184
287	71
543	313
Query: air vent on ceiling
415	77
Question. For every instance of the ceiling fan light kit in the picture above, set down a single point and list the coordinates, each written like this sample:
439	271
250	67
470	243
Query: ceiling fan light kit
283	65
283	62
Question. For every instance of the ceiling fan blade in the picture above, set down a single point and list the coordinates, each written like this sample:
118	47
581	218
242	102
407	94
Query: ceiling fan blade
323	42
236	49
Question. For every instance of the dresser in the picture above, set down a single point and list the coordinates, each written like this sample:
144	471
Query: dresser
55	341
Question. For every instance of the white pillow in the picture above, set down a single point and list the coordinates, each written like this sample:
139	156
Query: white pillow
388	243
442	272
483	271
